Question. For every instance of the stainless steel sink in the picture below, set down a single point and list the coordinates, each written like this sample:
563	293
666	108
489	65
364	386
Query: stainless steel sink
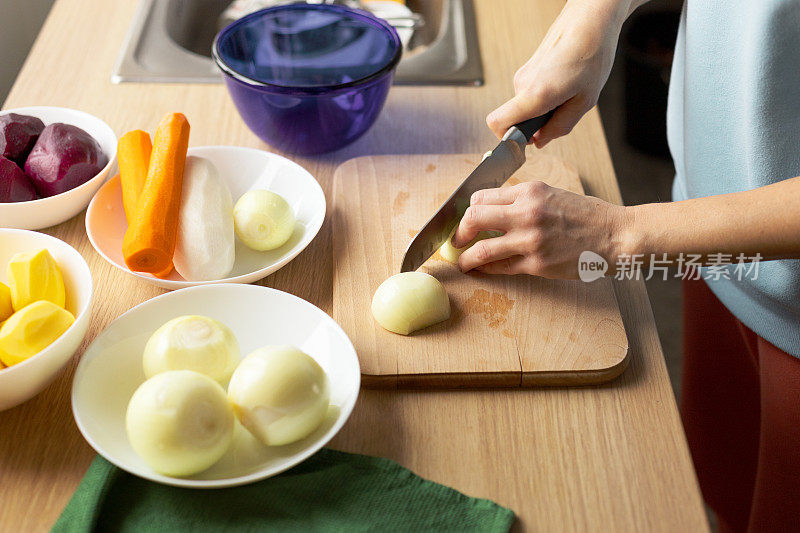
170	41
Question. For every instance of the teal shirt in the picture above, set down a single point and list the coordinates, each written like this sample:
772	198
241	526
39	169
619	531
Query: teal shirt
733	124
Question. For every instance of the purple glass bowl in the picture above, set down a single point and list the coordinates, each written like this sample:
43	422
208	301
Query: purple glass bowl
305	78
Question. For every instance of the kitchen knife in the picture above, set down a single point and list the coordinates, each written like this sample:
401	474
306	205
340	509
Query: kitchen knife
491	172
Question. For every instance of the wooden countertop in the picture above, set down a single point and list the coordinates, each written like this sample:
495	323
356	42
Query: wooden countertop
609	458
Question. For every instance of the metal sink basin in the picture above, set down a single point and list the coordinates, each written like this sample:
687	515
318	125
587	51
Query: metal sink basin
170	41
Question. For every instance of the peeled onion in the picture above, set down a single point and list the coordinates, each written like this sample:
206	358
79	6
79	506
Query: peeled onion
192	342
451	254
263	220
180	422
279	394
410	301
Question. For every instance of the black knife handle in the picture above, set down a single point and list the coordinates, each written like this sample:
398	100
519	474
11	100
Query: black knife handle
532	125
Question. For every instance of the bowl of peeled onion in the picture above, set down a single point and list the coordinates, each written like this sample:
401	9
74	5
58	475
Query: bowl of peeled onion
238	215
215	386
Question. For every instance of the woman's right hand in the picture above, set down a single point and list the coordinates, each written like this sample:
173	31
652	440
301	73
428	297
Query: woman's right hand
568	69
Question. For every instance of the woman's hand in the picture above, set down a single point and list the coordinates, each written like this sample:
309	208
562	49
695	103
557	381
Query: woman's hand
545	230
568	69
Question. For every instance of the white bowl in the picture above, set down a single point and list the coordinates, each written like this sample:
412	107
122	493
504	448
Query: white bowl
24	380
111	370
46	212
242	169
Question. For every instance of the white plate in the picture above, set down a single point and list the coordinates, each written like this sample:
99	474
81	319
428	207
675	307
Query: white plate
46	212
242	169
111	370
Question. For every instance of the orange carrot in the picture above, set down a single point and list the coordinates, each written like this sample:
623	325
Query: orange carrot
133	153
149	242
166	272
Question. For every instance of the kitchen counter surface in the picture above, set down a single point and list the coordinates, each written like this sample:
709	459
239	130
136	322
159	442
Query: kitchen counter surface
606	458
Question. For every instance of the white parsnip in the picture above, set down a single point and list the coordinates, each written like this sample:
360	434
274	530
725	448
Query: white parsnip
205	249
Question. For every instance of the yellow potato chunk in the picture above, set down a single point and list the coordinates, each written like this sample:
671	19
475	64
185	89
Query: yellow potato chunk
35	276
6	308
32	329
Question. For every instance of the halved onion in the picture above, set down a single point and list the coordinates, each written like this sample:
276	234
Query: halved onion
410	301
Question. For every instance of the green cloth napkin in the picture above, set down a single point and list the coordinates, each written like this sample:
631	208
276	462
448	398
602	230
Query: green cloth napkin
331	491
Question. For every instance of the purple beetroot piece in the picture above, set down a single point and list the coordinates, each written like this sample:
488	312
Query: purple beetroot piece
63	158
14	184
18	134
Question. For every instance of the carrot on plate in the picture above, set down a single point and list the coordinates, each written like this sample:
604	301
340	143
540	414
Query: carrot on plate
149	242
133	153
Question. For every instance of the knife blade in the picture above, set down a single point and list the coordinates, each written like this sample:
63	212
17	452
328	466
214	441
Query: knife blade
492	172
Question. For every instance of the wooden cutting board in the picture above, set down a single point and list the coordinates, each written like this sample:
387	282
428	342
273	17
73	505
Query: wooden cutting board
505	331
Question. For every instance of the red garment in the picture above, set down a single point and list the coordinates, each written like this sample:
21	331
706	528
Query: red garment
740	407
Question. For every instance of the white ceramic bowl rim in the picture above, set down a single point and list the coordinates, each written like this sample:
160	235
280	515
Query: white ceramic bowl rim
86	307
344	410
112	158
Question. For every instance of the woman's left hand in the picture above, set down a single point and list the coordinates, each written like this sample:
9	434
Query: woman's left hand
545	230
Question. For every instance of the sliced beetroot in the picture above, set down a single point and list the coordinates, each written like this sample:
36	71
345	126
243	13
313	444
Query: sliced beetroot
63	158
15	186
18	134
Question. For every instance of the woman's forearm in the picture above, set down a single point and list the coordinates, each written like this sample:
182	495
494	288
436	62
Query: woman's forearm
763	221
